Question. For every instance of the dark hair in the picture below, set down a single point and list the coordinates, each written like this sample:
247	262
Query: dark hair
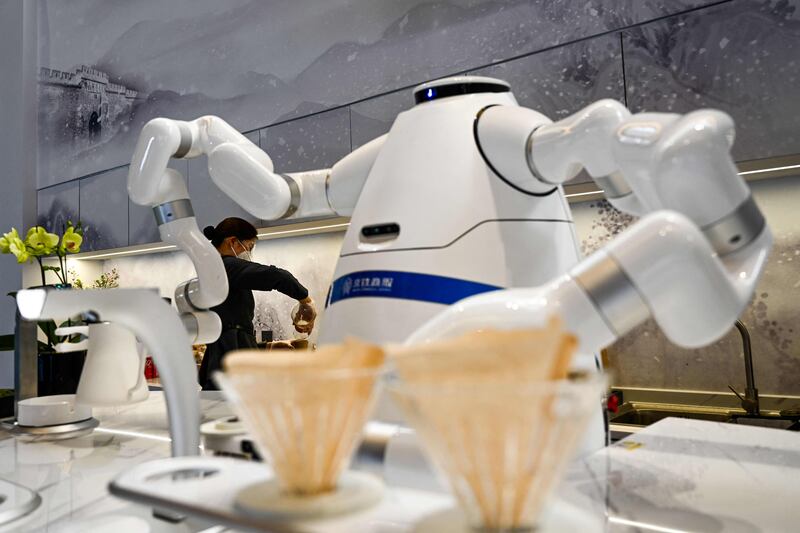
230	227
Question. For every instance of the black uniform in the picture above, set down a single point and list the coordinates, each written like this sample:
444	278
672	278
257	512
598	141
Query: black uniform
236	312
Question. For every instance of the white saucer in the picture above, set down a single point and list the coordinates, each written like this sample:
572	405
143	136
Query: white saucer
51	411
355	491
223	427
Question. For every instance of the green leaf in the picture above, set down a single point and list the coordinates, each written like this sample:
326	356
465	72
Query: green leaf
47	268
48	327
67	323
7	342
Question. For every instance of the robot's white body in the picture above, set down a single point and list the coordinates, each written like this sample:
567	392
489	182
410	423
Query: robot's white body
462	199
434	224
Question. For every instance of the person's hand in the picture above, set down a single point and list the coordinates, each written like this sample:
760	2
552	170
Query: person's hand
304	316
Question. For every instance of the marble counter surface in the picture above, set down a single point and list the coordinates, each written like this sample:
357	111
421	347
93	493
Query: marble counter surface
676	475
72	476
690	475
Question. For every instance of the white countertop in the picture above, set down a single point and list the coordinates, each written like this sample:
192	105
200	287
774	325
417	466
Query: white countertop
676	475
690	475
72	475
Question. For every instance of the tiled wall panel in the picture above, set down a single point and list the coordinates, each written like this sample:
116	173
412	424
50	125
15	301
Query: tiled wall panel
104	210
57	205
309	143
257	63
742	57
561	81
373	117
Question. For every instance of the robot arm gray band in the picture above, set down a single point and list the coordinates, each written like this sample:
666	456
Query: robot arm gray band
612	292
294	203
174	210
186	140
614	185
737	229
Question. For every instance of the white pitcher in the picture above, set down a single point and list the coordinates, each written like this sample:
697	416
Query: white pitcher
113	373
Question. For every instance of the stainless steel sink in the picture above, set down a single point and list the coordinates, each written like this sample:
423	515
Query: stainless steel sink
752	408
644	414
633	416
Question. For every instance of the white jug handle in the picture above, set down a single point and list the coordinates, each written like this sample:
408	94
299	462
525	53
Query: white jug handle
64	347
72	330
142	362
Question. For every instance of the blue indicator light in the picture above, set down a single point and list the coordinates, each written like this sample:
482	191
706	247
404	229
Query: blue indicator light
430	94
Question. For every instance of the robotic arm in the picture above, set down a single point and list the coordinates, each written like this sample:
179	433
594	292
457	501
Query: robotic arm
692	264
151	183
246	174
643	162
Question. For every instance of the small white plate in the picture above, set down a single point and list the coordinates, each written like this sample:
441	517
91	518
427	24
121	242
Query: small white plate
51	411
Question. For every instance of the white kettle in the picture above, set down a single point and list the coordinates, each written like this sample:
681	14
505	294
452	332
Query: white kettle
113	373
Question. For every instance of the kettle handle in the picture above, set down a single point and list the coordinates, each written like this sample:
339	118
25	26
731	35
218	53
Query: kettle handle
142	361
64	347
72	330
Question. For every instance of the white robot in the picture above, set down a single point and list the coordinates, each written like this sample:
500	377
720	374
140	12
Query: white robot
459	221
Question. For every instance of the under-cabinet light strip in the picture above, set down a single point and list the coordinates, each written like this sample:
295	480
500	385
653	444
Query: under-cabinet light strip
773	169
304	230
578	194
144	250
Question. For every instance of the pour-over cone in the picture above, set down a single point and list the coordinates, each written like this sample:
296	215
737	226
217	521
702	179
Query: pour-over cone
497	416
305	410
501	446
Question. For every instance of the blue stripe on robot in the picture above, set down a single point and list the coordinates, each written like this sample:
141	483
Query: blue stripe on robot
405	286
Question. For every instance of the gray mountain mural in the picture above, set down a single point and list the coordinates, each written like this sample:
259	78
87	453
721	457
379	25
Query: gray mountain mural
258	62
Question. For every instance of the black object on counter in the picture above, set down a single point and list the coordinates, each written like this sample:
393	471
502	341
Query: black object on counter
59	373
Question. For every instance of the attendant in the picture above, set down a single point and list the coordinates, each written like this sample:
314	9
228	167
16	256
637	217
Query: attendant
235	240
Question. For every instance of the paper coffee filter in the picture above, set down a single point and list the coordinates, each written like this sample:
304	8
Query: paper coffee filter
501	449
352	353
306	410
496	415
517	355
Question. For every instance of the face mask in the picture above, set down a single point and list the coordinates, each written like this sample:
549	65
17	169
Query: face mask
245	254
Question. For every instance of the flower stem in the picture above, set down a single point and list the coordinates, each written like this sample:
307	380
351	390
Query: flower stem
41	269
62	261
